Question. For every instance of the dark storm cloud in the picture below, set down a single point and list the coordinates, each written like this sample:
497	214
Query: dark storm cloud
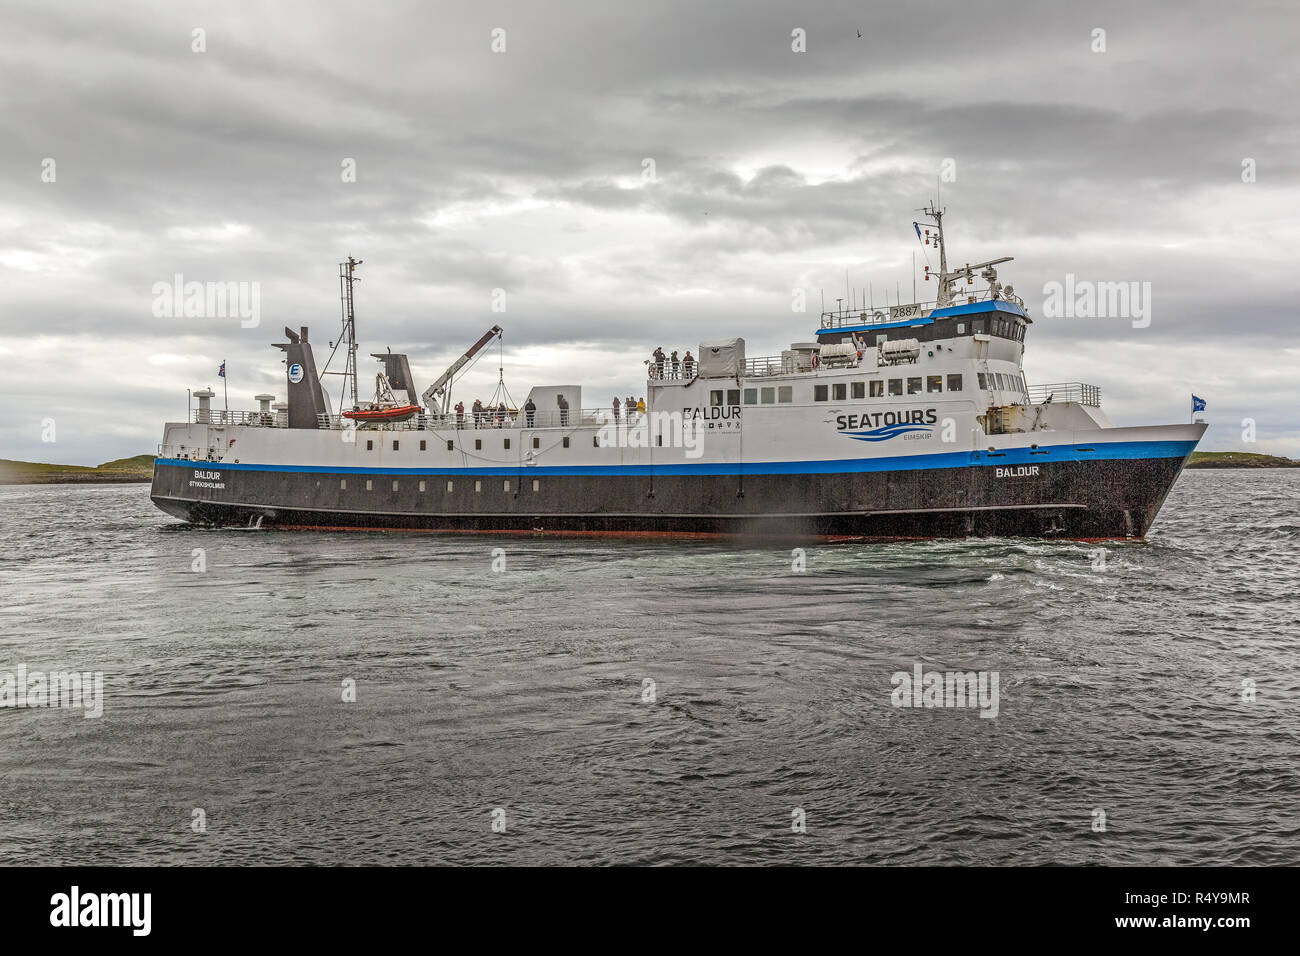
523	171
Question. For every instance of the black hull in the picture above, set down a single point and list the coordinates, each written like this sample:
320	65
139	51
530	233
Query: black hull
1072	499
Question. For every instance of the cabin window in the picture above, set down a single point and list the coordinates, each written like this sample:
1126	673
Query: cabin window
769	395
859	389
733	396
715	397
421	486
451	444
961	328
933	383
506	444
839	391
566	441
478	445
422	444
370	485
343	484
914	386
537	442
507	485
895	386
751	396
451	486
820	393
954	383
394	485
536	485
785	394
394	444
877	388
984	382
478	486
370	444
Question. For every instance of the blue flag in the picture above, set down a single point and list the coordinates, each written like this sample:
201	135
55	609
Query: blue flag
917	227
222	373
1198	404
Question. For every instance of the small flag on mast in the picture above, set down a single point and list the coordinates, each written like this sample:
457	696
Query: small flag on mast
222	371
1198	404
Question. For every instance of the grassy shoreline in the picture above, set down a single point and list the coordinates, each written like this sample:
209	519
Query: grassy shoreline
1238	459
139	468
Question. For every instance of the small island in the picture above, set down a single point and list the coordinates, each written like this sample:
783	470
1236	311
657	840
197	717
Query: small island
139	468
1238	459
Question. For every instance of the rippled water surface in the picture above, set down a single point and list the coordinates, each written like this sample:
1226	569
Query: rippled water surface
1121	690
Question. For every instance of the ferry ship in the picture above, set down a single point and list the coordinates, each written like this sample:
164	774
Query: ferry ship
910	421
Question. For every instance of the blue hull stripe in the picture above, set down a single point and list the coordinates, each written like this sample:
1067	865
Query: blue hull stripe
1110	451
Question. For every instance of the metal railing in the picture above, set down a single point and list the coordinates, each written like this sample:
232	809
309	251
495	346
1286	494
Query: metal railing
494	419
1078	392
879	315
769	365
219	416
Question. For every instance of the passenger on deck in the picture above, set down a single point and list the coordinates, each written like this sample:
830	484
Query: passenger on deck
640	406
659	363
615	409
564	409
477	409
529	409
460	414
629	406
688	364
677	365
501	415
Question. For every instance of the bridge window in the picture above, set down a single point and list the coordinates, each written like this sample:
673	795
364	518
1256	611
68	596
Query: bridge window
715	397
370	485
954	383
422	486
769	396
839	391
895	386
859	389
478	486
914	386
394	485
785	394
751	396
984	382
933	383
343	484
733	396
961	328
536	484
877	388
451	486
507	485
820	393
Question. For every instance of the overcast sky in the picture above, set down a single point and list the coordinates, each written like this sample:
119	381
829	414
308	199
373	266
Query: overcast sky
523	170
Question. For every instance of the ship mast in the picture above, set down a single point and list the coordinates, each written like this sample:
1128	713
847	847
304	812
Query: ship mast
945	297
346	278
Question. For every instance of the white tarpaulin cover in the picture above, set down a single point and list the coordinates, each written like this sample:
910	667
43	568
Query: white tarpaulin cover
724	358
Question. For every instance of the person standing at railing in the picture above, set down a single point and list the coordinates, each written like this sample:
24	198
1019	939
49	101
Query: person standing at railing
460	415
501	415
529	410
616	409
677	365
629	408
640	406
659	362
477	410
563	403
688	364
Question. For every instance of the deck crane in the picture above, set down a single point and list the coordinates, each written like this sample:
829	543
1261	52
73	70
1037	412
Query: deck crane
438	395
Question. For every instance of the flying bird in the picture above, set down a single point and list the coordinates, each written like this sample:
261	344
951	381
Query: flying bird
859	34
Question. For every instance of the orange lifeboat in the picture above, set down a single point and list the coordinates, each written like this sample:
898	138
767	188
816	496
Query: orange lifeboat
395	413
